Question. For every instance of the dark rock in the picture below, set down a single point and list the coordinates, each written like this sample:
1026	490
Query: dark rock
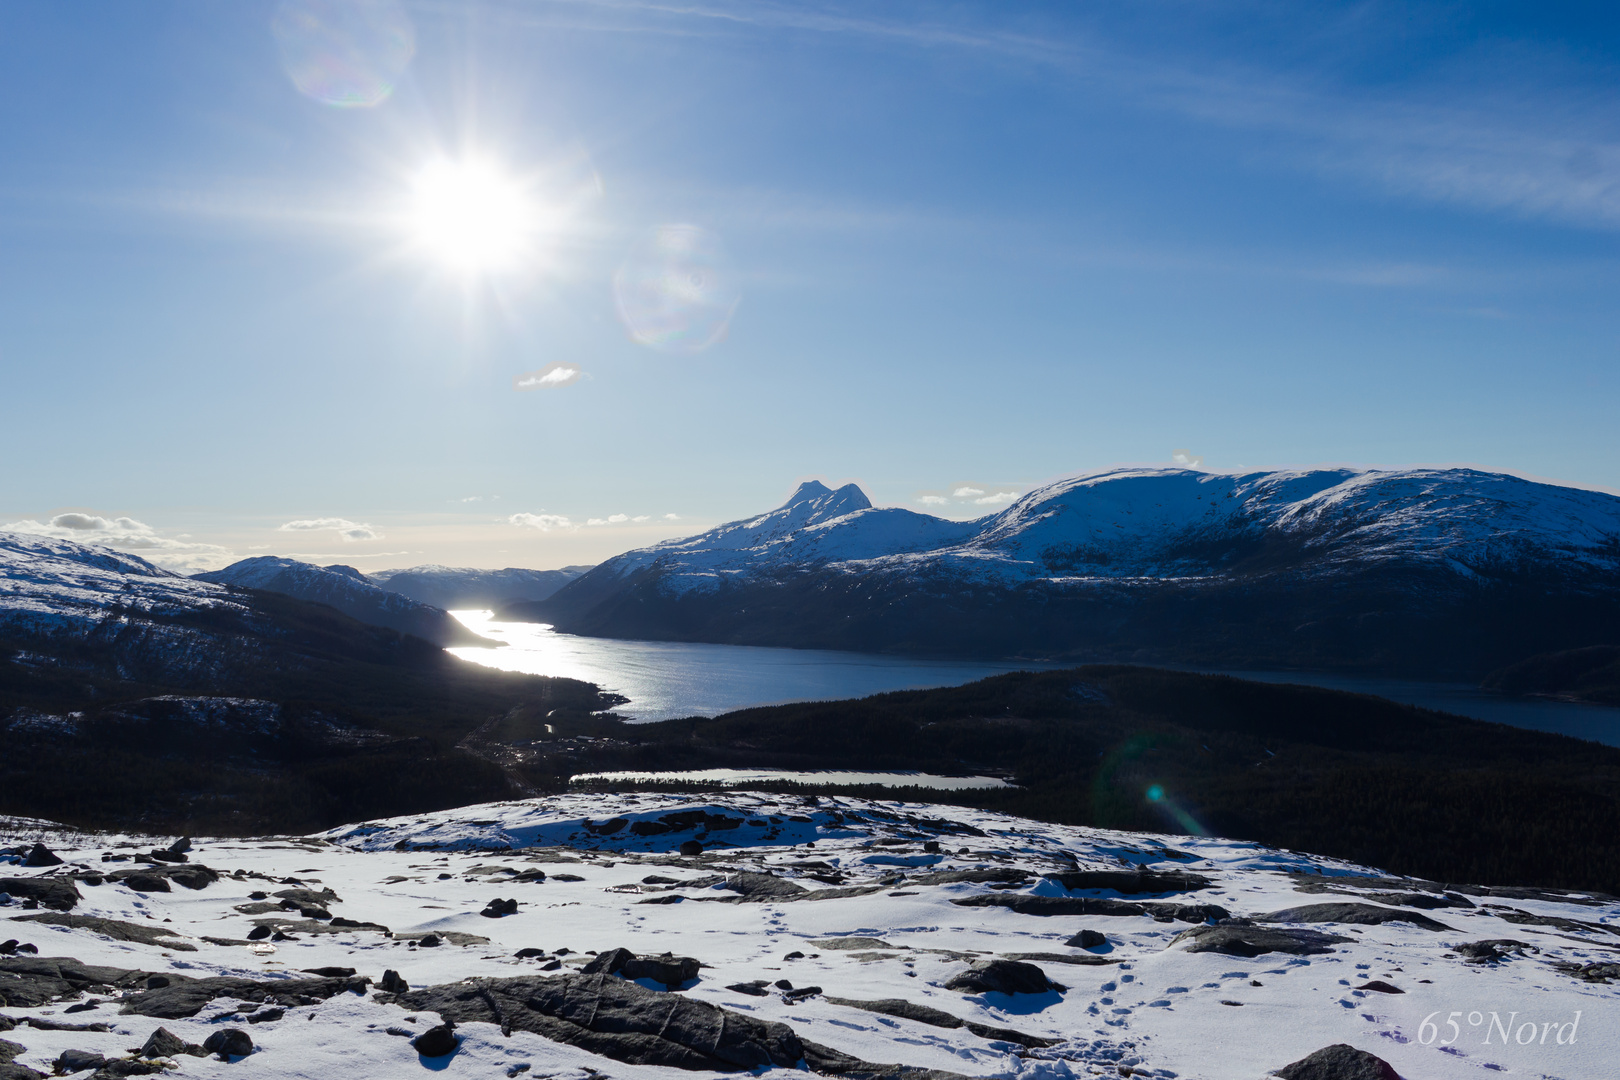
1357	914
229	1043
143	882
58	894
8	947
1087	905
258	895
182	844
266	1016
853	942
1008	875
923	1014
1002	977
1243	940
307	898
528	954
783	984
690	848
1339	1062
430	941
1087	939
392	983
189	997
27	948
41	855
497	908
668	969
83	1006
1132	882
73	1061
1489	952
794	955
1381	987
165	855
629	1023
793	997
29	981
330	972
122	1067
756	988
437	1041
164	1043
145	934
259	933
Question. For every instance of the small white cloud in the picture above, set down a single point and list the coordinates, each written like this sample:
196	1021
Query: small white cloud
348	530
543	522
933	500
1185	457
617	518
966	492
640	518
999	498
258	547
595	521
553	375
672	517
472	498
127	534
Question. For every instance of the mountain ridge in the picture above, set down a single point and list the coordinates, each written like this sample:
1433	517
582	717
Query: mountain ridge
1348	568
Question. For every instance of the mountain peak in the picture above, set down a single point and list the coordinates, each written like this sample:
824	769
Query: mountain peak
845	500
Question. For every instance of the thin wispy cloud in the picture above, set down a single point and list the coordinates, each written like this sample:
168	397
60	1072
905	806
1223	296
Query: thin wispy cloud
348	531
553	376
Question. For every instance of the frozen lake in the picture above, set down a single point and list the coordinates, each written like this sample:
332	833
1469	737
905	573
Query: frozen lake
668	679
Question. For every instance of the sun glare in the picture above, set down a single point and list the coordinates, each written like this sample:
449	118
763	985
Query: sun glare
471	216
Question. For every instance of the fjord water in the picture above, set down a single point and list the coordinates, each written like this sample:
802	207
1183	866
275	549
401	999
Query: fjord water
667	679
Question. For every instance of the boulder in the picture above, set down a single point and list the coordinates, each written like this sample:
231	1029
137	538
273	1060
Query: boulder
30	981
58	894
72	1061
690	848
924	1014
1087	939
40	855
1001	977
164	1043
498	908
330	972
392	984
667	968
1492	950
1240	939
1340	1061
437	1041
229	1043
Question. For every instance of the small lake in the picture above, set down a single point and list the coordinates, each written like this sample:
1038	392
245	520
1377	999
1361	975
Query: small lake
669	679
831	777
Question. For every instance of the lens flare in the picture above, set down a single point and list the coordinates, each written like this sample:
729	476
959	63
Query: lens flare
675	292
345	53
471	215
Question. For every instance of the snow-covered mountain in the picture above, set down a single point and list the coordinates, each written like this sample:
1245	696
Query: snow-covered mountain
1142	562
347	590
457	587
658	937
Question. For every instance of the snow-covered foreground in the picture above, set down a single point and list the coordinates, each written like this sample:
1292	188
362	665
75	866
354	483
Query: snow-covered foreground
592	873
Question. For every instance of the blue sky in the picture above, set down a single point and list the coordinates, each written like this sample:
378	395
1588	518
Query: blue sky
961	247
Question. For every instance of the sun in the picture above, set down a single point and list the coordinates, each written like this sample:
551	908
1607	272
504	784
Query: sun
472	216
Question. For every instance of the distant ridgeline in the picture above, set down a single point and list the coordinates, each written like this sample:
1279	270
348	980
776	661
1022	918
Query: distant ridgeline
1424	572
129	694
414	601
